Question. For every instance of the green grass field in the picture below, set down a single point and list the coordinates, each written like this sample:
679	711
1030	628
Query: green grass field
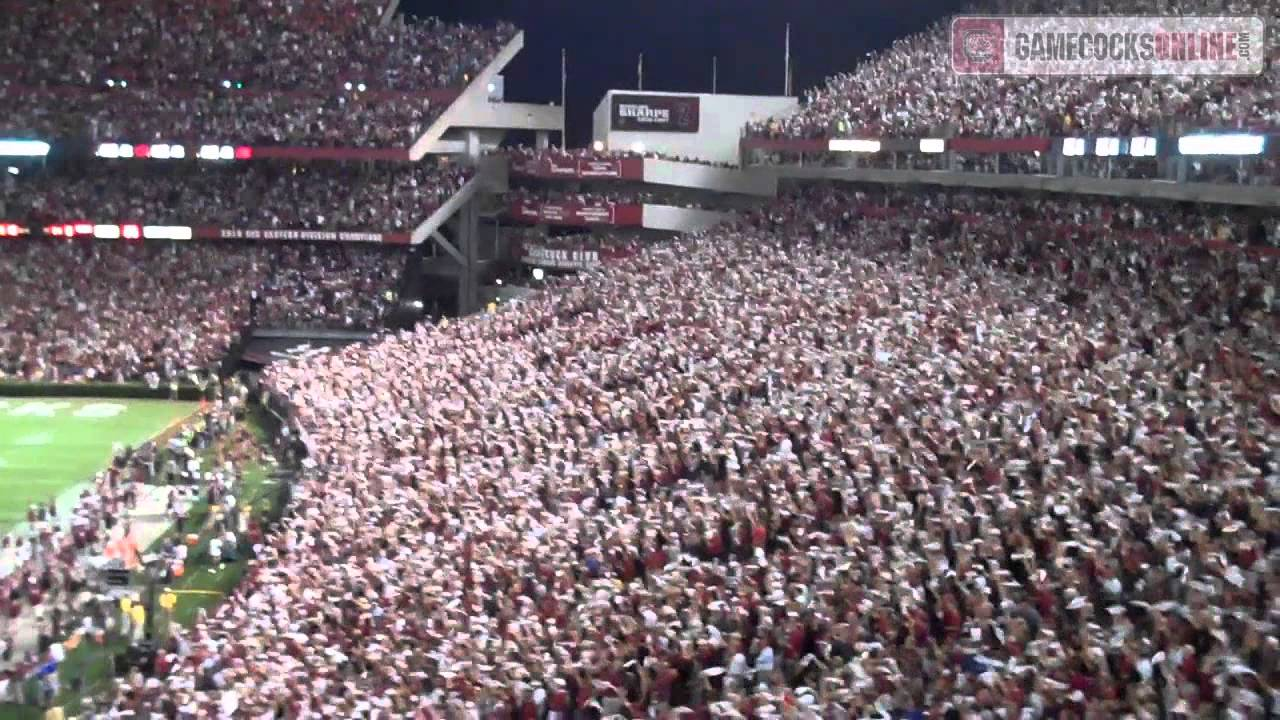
49	446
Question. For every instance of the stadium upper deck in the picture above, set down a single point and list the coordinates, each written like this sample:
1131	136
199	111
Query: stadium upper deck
910	89
236	71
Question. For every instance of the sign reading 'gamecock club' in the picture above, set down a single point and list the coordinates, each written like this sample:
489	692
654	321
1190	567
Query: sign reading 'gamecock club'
656	113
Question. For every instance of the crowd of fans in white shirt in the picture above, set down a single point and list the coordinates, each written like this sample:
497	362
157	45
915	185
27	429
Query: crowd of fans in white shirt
855	455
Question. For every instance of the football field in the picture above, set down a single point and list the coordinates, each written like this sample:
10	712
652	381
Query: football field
49	446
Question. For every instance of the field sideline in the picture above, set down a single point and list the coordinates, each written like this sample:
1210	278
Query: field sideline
49	446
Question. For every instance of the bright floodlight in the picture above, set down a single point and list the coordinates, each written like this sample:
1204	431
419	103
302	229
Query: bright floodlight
1142	146
598	146
854	145
538	274
416	304
23	148
226	84
1106	147
13	170
1229	144
361	87
111	83
346	85
1073	147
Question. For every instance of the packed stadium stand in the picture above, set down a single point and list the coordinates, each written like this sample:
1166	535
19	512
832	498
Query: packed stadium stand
289	73
807	437
91	310
910	90
378	197
857	450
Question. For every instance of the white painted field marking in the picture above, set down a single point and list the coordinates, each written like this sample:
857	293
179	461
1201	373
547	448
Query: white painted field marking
100	410
38	408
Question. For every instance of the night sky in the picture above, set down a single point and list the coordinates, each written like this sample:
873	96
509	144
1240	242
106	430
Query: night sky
679	38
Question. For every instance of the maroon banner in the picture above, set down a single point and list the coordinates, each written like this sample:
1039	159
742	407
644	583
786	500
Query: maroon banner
611	168
798	145
213	233
577	214
980	145
584	258
656	113
551	165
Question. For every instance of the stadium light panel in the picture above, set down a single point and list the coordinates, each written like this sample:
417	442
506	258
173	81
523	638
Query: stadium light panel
226	152
539	274
362	87
854	146
130	232
346	86
111	83
14	171
226	84
124	83
1142	146
142	151
208	152
160	152
1073	147
244	152
598	146
1231	144
24	148
126	151
106	232
177	152
54	230
81	229
933	145
1106	147
166	232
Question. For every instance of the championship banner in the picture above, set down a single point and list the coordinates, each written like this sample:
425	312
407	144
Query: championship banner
302	235
577	214
656	113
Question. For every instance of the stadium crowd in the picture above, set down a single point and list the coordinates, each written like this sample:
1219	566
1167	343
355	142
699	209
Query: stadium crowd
138	115
853	456
159	71
382	197
910	89
83	311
